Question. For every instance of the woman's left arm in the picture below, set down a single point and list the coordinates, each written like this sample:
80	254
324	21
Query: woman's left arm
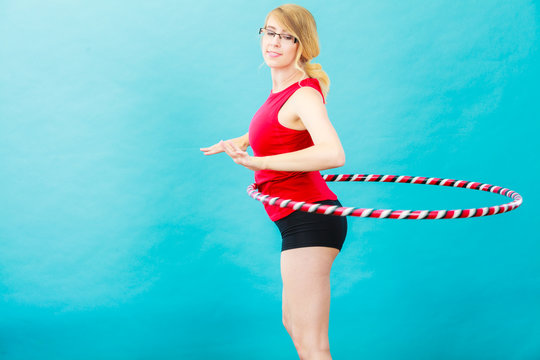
326	153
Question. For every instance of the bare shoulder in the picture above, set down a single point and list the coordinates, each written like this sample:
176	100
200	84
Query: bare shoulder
306	98
308	94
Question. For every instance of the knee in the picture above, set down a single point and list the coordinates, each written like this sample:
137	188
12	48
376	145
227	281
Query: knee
286	322
313	352
311	346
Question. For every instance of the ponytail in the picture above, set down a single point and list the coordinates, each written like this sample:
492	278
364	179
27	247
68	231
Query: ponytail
314	70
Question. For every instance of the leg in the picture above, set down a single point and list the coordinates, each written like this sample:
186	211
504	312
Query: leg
306	299
285	312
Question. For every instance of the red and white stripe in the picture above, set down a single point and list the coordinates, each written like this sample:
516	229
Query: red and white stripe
396	214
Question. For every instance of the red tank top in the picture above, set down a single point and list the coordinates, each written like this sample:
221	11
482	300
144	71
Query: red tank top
268	137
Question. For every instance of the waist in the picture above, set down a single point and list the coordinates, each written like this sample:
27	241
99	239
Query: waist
264	176
299	186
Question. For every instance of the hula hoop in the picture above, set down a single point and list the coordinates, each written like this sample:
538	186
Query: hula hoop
396	214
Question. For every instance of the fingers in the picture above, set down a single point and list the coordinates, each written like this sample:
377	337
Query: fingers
238	155
214	149
220	147
228	148
210	152
232	149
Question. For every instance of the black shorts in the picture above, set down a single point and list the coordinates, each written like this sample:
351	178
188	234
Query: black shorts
301	229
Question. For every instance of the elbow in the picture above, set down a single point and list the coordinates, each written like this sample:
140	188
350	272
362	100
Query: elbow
340	158
334	157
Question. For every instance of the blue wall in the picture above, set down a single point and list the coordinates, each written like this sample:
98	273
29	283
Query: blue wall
120	240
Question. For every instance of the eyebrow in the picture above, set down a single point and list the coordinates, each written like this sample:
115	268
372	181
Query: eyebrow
273	28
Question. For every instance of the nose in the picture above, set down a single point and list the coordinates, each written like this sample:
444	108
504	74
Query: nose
275	40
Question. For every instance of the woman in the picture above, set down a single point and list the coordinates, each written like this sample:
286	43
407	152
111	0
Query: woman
292	139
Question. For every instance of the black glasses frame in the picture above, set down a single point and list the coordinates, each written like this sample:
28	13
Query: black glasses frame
261	30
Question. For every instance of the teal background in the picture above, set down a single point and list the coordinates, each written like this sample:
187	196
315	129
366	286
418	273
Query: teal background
120	240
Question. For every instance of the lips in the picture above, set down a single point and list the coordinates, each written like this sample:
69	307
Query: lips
273	54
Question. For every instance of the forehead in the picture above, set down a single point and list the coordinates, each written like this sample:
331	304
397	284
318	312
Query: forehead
273	24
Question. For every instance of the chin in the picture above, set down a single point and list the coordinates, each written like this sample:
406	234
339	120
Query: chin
275	64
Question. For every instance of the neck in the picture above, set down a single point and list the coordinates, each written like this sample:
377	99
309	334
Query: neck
283	78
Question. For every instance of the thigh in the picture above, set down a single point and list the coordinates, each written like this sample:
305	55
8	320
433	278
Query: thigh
306	287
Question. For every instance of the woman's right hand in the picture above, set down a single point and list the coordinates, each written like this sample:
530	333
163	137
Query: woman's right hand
242	142
214	149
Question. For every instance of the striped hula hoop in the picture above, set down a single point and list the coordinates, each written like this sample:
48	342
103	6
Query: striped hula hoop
396	214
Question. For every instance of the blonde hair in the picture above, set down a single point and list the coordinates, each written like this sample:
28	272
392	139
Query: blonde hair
299	22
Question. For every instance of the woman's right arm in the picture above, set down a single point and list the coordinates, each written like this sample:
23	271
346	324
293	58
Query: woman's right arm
242	142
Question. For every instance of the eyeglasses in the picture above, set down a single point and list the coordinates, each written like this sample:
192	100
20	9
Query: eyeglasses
269	34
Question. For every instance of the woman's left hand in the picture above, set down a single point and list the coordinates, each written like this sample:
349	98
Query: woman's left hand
242	157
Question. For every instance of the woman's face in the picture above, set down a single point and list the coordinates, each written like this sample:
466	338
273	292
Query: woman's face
277	53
